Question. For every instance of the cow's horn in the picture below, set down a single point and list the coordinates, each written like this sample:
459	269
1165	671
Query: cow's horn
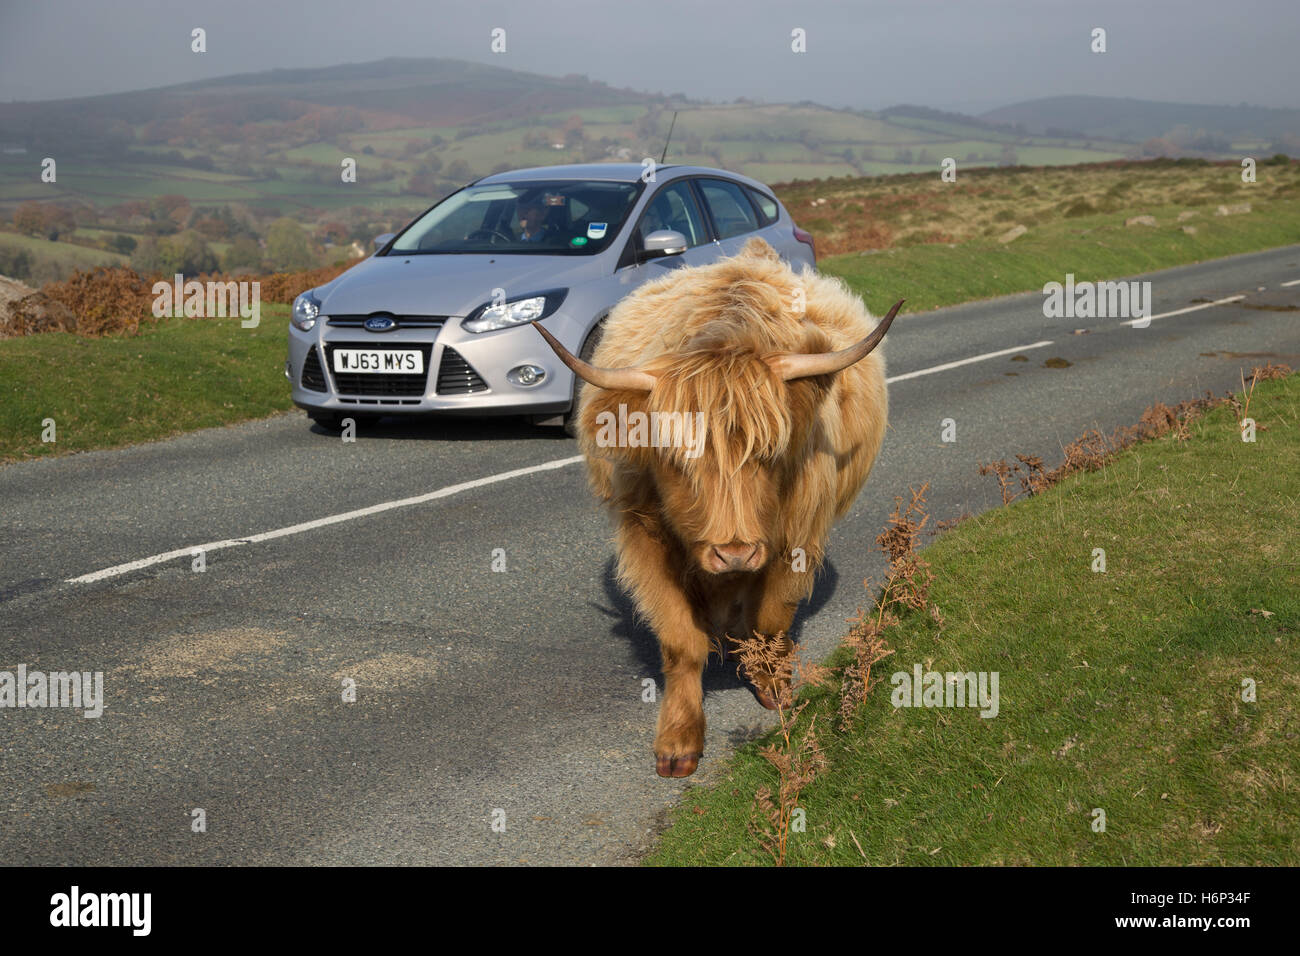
791	365
631	379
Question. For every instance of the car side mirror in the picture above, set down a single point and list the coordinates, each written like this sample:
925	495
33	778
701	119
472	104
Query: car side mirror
385	239
663	242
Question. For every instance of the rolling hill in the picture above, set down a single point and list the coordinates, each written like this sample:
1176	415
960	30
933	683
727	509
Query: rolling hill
230	155
1216	128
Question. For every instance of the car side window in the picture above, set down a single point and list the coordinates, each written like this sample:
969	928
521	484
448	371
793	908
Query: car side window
767	209
674	208
732	213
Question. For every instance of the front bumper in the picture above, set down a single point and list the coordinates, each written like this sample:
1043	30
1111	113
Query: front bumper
464	373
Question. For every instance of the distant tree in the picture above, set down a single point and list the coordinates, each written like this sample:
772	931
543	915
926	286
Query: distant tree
421	184
147	257
120	242
59	222
29	218
170	207
288	246
1008	157
15	263
212	227
332	231
1156	146
244	254
185	253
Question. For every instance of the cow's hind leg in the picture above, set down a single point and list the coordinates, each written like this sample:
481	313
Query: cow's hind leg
646	569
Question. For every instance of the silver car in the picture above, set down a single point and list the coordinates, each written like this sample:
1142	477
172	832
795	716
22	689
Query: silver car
435	321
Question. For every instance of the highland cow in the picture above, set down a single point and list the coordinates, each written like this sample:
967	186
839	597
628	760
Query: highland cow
720	537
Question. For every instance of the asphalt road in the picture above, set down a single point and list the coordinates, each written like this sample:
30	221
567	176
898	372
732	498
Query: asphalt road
476	691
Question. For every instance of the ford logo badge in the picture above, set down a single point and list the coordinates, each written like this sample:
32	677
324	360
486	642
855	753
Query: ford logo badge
380	323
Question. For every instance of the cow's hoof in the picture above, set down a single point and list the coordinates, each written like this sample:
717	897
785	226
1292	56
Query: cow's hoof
766	698
680	766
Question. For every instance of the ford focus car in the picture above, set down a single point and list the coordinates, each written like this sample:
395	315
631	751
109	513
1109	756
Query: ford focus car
435	322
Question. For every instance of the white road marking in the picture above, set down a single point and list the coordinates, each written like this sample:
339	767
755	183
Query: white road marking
119	569
322	522
517	473
966	361
1287	285
1190	308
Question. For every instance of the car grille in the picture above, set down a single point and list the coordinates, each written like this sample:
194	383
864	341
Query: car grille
403	321
456	376
312	376
360	383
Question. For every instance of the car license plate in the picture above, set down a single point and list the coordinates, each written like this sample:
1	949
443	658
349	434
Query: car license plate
379	361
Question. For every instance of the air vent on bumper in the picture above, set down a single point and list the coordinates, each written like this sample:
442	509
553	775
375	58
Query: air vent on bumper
457	377
313	377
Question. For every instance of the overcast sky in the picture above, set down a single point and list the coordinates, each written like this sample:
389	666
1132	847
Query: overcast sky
968	55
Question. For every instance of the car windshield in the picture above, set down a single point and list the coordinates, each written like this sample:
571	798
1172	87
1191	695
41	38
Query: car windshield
561	217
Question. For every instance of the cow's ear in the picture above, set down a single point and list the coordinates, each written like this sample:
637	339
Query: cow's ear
758	248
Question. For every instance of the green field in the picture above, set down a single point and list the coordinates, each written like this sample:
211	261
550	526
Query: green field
794	142
927	274
1119	691
889	212
175	376
82	257
1092	247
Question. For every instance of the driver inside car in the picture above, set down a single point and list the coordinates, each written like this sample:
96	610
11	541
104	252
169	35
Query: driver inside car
532	222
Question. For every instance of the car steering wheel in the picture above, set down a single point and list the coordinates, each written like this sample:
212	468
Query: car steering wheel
492	233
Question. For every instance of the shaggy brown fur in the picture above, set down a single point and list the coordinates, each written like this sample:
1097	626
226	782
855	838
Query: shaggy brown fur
781	460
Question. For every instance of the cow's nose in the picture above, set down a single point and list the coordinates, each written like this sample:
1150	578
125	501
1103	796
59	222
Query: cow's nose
735	557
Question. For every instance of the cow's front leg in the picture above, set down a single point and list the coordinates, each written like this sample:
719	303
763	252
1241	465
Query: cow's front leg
646	570
782	590
679	737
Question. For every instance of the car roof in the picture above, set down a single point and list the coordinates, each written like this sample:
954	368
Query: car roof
611	172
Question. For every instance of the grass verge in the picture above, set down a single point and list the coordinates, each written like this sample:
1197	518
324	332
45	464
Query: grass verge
177	375
1120	691
106	399
1092	247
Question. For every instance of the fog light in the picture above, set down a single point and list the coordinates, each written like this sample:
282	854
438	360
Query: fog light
526	375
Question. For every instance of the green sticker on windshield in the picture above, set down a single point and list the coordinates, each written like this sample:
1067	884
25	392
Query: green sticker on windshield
578	241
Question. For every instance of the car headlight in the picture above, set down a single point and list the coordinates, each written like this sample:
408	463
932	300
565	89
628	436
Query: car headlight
520	311
305	309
